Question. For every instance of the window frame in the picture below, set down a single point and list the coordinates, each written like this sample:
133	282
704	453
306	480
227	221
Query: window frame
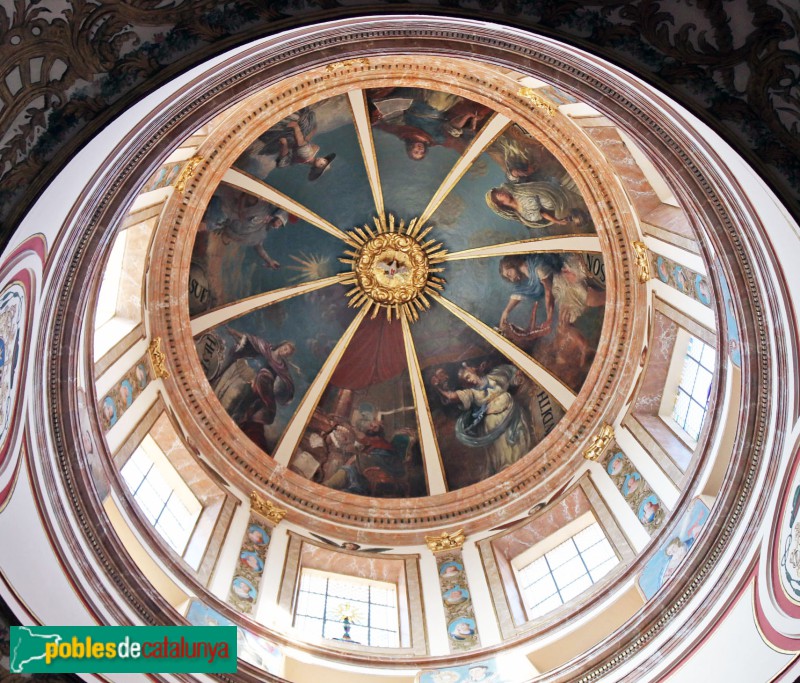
501	565
403	570
556	540
161	466
672	386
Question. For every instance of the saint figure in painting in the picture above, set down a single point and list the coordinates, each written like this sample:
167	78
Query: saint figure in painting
558	279
540	203
531	277
289	142
379	467
491	418
251	396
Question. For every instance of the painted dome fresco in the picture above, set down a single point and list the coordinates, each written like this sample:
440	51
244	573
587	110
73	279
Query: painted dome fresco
396	291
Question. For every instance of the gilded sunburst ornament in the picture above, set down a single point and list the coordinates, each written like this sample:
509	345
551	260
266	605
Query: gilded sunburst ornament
393	267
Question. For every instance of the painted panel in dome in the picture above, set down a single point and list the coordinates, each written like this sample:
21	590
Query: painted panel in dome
121	396
246	246
419	136
314	157
249	648
261	364
789	544
731	326
487	670
363	437
12	323
674	549
638	494
515	190
684	279
550	305
486	413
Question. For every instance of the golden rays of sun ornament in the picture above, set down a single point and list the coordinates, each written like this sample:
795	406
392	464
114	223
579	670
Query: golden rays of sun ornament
394	268
350	612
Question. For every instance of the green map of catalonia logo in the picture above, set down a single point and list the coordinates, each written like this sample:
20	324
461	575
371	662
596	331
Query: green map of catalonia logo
123	649
28	647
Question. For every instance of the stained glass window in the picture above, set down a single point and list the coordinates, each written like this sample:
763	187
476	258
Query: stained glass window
347	608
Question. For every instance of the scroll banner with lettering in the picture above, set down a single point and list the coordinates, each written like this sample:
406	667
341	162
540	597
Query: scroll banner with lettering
123	649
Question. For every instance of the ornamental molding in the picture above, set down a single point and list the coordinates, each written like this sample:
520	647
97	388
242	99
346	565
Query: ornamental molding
538	103
187	172
347	63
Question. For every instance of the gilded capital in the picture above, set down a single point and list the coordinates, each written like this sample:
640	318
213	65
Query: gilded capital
642	261
335	66
447	541
158	358
539	103
599	442
187	172
266	509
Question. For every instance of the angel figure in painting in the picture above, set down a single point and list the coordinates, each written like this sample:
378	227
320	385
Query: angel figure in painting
491	418
289	142
425	118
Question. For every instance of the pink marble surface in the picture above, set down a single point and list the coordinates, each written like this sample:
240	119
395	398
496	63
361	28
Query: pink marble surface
364	566
540	527
659	356
183	460
636	185
670	218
